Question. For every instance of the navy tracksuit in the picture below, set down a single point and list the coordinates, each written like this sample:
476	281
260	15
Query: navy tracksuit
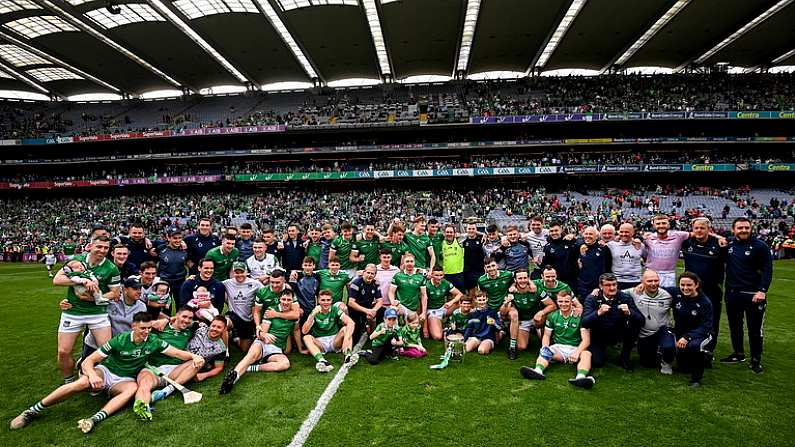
516	256
708	260
692	321
596	260
611	328
562	255
198	246
749	269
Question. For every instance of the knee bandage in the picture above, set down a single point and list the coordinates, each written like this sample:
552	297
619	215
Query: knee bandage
546	353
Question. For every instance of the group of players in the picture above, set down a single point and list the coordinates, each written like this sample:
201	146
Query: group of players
320	293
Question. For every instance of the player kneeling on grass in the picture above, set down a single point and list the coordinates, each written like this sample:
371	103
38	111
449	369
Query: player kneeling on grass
328	329
266	354
483	326
122	358
386	339
565	341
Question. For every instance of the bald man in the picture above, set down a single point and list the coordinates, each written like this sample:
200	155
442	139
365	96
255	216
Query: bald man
627	257
656	334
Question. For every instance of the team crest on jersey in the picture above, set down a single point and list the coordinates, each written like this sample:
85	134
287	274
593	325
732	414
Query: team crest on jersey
731	249
690	250
711	253
551	250
747	253
678	305
199	244
693	312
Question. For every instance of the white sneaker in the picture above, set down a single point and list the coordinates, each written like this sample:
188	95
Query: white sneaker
666	369
323	366
21	420
85	425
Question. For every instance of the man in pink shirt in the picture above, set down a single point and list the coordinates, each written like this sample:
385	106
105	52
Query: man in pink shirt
662	249
384	273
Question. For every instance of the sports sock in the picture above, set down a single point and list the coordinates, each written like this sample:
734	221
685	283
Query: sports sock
253	368
319	357
69	379
99	417
581	373
37	408
168	390
513	343
540	368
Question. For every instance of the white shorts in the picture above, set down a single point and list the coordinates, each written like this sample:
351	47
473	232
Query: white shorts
267	349
327	343
110	380
50	264
565	351
438	314
75	323
480	342
527	325
667	279
166	370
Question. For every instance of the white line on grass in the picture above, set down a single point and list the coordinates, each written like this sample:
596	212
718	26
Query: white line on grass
314	416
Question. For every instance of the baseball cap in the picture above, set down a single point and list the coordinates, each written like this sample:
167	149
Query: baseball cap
390	313
132	282
173	230
239	266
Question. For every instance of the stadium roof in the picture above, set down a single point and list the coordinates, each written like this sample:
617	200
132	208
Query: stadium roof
73	47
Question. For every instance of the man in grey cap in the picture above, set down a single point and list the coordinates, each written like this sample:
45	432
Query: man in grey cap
240	293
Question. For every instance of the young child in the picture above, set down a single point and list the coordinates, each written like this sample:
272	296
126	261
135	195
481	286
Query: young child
386	339
457	323
483	327
410	333
159	299
200	302
77	272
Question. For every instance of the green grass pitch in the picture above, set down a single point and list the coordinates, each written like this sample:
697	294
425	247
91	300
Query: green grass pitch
483	401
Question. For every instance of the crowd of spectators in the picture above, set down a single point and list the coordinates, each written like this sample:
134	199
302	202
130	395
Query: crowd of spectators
455	102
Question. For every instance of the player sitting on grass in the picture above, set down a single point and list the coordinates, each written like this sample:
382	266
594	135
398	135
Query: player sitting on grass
328	329
483	327
386	339
122	359
523	306
410	333
565	341
266	354
438	290
457	323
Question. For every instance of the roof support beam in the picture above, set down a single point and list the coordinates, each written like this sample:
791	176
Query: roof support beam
48	4
374	22
770	12
556	37
186	29
783	57
467	35
55	61
22	78
658	25
278	24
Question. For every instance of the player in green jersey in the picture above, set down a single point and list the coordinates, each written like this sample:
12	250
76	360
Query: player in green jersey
366	247
565	341
223	257
121	358
69	248
84	311
267	353
457	323
334	279
524	313
268	297
395	244
342	248
550	286
407	291
439	290
436	236
419	244
328	329
495	283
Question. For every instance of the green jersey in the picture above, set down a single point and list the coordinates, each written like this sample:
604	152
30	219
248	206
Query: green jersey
370	249
436	243
266	297
458	320
551	292
496	288
437	295
175	338
410	336
125	358
343	249
527	304
452	257
565	330
69	249
280	328
418	246
381	339
397	251
334	282
223	263
328	324
408	288
313	250
107	275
